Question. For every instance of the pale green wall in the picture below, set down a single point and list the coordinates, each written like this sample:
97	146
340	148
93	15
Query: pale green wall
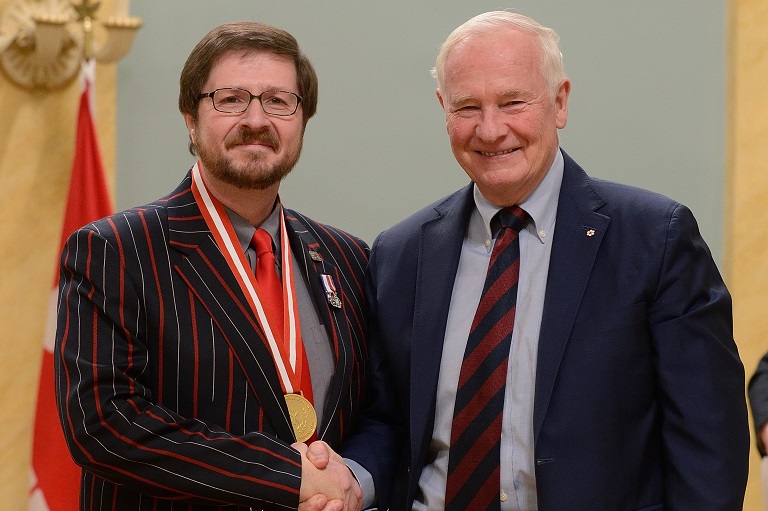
647	105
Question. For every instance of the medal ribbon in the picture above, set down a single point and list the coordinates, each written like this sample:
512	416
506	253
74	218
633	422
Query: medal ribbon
288	354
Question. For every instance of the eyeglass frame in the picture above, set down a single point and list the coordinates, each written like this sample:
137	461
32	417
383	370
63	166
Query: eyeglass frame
250	100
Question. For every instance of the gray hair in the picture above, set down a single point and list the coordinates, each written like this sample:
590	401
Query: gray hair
551	58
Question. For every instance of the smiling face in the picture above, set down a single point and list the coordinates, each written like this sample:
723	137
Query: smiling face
501	115
249	150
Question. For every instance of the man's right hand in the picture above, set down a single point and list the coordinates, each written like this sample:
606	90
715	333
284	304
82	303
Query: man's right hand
327	484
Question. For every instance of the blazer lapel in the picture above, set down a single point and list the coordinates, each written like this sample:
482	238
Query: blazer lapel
313	261
201	264
438	260
579	231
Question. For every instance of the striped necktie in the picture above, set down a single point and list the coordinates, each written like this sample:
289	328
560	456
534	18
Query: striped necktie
474	457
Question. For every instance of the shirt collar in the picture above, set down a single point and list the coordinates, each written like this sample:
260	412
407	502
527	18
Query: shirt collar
541	205
245	230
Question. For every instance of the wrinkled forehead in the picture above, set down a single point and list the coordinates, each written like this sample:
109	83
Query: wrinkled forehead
506	61
252	68
496	48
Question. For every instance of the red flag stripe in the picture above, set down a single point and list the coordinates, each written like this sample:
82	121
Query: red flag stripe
56	477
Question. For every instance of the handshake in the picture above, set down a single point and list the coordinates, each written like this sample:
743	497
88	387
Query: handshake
327	484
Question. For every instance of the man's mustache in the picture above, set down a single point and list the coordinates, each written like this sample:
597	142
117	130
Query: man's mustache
247	136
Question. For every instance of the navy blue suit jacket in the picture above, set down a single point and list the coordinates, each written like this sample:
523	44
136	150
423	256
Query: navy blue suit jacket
639	398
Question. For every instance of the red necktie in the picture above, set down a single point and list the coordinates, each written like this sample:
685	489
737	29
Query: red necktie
271	287
269	282
473	461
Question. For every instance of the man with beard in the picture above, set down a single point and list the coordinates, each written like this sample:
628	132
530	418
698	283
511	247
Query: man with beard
204	340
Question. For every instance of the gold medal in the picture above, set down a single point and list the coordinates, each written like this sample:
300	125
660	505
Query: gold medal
303	416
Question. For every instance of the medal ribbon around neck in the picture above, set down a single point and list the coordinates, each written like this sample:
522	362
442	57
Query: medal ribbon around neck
287	348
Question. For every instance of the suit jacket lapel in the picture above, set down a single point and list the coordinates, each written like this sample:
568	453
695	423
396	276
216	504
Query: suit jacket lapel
438	259
579	230
201	264
313	261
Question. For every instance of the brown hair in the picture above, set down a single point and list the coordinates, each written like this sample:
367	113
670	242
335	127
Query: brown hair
245	36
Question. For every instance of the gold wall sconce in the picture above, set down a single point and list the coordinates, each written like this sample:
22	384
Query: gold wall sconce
43	42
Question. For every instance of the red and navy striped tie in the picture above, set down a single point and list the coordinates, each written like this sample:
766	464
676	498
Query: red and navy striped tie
473	461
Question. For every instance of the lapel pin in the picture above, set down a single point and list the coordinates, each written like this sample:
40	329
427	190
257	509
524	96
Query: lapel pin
330	291
590	232
315	256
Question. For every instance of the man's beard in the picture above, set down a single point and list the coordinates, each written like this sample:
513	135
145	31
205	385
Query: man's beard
254	174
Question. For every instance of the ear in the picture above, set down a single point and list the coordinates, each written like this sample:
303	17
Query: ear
561	103
440	98
190	122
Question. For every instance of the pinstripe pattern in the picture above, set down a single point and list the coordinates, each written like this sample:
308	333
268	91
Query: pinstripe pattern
167	391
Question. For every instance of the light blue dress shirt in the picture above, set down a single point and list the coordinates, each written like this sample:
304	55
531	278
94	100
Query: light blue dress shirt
517	464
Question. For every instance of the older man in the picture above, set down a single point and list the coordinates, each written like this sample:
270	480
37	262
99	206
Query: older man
557	342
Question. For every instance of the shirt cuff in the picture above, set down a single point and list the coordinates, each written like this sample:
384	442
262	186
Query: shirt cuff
365	480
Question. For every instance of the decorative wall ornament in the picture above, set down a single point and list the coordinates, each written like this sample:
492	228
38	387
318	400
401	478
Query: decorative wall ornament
43	42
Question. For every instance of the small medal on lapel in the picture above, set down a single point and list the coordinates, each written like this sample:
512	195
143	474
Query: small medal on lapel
315	256
330	291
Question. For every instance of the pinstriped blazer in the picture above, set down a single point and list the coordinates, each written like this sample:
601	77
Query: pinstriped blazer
167	392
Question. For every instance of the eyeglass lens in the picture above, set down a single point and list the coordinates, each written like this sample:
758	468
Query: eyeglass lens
237	100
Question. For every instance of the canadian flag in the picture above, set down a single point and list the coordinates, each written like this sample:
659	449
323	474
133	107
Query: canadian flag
55	479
